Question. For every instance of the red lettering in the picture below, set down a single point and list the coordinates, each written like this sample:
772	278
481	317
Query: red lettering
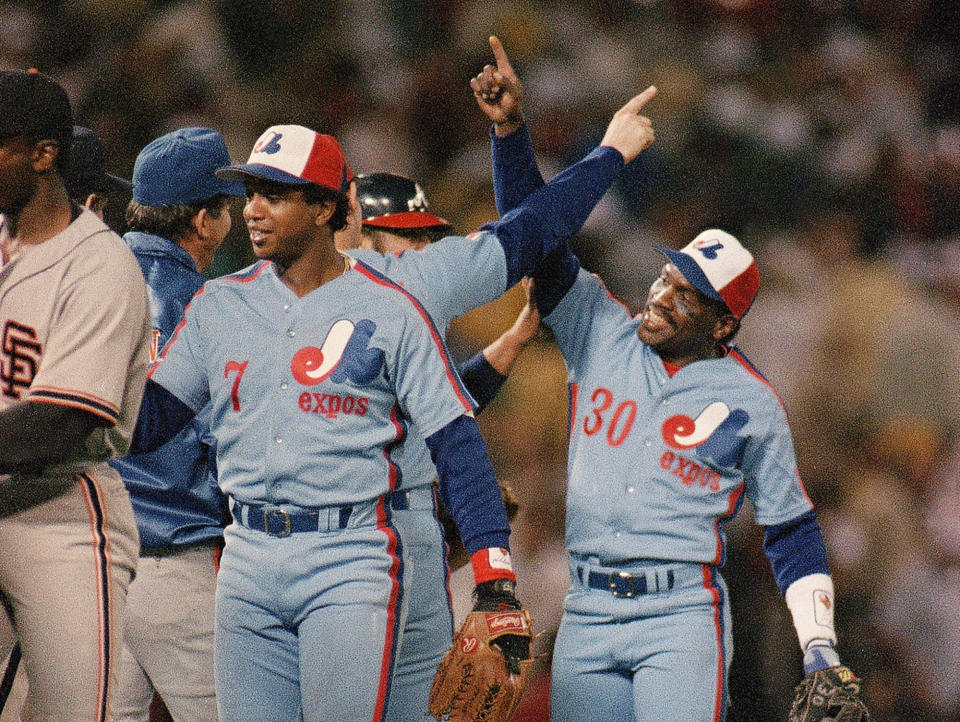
362	405
348	404
235	391
333	408
305	401
613	438
607	399
666	461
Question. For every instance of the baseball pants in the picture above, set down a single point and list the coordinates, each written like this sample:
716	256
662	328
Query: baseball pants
428	633
168	637
659	656
309	623
65	564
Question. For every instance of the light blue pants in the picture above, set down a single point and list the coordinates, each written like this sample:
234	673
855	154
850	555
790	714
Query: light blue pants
663	655
309	622
428	632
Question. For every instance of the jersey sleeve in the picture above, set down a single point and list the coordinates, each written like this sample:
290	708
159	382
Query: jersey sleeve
428	388
453	276
583	319
101	335
771	477
179	368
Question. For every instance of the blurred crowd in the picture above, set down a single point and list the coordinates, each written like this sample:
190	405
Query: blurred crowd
823	133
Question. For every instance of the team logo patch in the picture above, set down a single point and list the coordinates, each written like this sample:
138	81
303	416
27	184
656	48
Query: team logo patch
21	358
345	355
269	145
710	248
714	433
468	645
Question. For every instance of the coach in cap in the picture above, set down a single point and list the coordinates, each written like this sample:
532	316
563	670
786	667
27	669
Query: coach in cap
87	180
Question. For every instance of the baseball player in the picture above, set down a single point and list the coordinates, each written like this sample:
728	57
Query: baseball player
177	219
671	428
87	180
392	215
75	328
314	351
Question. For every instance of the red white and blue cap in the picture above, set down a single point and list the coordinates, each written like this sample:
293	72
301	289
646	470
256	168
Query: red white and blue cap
294	155
717	265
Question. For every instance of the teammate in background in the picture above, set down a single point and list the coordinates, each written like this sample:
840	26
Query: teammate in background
326	360
671	426
392	215
87	180
76	336
177	219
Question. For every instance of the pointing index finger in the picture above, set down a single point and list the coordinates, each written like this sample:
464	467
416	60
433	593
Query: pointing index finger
500	55
635	104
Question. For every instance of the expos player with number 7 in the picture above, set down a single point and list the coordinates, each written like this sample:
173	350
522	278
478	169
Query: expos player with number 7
671	428
314	365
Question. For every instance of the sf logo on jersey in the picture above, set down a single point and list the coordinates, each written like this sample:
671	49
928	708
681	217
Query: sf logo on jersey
714	433
344	355
21	357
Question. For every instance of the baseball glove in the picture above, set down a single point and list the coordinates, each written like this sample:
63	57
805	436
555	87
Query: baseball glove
829	695
482	677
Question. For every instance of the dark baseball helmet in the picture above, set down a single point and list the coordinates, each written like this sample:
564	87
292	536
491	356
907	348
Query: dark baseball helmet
393	202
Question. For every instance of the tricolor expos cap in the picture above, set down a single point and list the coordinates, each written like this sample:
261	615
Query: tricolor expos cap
294	155
716	264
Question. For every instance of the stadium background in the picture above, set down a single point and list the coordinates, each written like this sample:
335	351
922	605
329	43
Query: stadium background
824	133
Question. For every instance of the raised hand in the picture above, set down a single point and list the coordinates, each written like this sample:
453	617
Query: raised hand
628	131
498	91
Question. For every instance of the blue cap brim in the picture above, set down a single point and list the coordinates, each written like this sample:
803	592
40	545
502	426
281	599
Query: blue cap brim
691	271
258	170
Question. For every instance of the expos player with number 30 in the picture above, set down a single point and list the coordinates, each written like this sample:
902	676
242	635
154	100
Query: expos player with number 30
670	429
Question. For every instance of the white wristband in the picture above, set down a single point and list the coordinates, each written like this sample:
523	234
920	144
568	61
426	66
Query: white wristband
810	600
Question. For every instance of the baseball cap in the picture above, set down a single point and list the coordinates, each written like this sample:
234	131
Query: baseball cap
392	201
178	168
33	104
86	171
717	265
294	155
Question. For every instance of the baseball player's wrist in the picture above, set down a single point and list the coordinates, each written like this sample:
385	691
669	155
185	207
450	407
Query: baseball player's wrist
820	654
490	564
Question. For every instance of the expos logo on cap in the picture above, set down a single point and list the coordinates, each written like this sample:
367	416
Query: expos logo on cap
717	265
294	155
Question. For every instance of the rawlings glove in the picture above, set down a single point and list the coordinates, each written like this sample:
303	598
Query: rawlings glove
829	695
482	677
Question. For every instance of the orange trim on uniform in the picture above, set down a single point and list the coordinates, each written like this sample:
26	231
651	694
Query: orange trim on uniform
76	400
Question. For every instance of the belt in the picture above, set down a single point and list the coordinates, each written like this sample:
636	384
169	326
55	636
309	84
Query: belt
622	584
280	522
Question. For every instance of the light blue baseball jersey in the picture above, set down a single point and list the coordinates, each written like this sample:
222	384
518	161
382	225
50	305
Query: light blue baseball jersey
335	375
657	464
450	278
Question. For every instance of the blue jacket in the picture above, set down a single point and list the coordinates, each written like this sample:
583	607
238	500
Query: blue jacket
173	489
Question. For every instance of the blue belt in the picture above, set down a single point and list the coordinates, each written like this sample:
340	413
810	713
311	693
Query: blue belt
621	584
282	522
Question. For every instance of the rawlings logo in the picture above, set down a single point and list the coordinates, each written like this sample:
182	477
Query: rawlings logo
469	645
511	622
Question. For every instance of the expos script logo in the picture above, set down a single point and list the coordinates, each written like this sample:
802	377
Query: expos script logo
344	354
713	432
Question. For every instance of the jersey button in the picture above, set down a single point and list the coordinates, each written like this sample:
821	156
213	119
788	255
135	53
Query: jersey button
291	333
647	442
279	440
630	490
283	386
286	307
616	534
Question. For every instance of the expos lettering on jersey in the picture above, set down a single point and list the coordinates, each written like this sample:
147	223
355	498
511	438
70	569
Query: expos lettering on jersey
713	432
345	355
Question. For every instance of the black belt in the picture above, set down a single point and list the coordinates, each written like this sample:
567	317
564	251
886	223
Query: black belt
621	584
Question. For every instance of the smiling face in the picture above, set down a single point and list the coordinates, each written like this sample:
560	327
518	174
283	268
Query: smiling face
681	324
281	223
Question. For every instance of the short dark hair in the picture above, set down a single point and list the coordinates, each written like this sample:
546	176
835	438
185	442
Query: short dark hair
35	106
312	193
171	222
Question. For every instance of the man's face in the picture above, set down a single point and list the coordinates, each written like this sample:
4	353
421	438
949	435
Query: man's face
18	177
677	321
280	222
